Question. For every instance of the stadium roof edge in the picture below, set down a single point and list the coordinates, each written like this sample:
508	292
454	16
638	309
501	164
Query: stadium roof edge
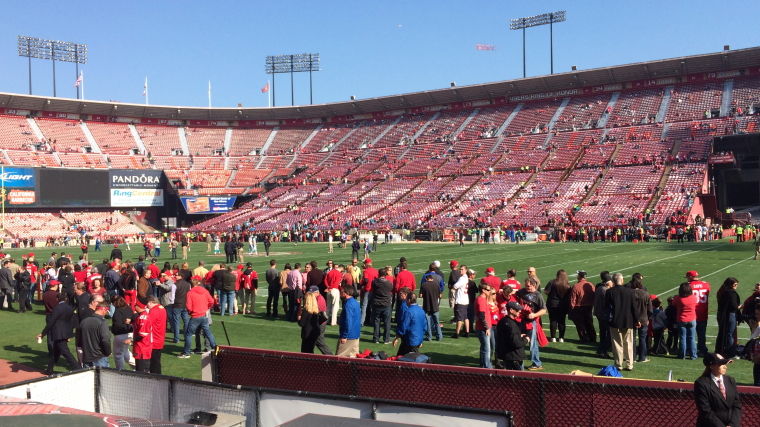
673	67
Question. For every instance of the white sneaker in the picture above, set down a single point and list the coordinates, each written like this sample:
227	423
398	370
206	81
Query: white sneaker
552	340
561	340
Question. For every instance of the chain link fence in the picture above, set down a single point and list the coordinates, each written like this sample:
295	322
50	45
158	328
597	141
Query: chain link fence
535	400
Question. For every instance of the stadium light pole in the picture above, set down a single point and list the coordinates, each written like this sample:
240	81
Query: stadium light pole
534	21
34	47
277	64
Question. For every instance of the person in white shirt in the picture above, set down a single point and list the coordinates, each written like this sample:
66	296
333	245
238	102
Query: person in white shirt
461	301
216	245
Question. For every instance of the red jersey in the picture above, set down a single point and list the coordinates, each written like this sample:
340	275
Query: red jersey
143	331
250	281
79	276
92	277
157	317
238	274
481	305
502	302
32	269
404	278
702	291
512	283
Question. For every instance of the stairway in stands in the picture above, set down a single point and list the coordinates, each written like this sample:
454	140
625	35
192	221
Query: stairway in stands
606	170
664	178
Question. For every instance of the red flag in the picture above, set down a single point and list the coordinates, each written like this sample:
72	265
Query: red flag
485	47
79	80
265	89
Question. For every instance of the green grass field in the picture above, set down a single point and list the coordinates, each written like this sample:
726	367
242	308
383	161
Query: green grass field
663	266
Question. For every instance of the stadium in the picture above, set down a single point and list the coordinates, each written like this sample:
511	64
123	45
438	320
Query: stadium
645	170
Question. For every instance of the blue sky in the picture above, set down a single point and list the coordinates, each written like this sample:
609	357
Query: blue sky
180	46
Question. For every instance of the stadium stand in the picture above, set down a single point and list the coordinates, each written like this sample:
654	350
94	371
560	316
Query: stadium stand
113	138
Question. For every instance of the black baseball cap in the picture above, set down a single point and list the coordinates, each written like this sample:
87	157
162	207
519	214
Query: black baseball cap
715	359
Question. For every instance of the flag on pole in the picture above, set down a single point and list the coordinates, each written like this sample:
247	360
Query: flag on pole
265	89
79	80
485	47
145	88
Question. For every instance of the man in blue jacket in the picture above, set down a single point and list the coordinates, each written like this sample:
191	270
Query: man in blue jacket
412	327
349	323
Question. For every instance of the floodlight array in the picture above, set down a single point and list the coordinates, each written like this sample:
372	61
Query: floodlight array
534	21
292	63
34	47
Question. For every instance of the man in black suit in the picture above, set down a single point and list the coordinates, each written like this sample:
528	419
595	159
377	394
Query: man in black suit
716	395
116	253
229	250
61	330
620	300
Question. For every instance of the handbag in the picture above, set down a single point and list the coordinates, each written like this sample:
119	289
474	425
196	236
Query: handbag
322	317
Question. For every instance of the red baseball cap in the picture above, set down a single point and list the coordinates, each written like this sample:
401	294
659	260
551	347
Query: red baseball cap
367	261
54	283
195	278
454	263
113	264
31	254
115	246
489	270
692	273
240	266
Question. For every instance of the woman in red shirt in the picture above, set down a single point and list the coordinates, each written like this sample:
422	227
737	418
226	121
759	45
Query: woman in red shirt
686	316
79	275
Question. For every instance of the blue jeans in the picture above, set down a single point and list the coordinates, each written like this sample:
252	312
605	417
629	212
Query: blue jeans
170	317
226	298
493	342
640	350
102	362
198	325
686	331
366	300
178	313
157	252
485	349
381	313
534	346
701	339
434	325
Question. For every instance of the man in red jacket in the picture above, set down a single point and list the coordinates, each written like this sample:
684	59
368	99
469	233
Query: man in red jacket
142	339
491	279
332	291
199	301
157	315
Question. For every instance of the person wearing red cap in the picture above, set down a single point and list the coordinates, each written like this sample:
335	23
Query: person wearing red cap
142	340
702	291
491	279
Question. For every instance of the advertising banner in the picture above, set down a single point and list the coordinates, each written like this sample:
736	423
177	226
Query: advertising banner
19	186
134	178
208	204
134	197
